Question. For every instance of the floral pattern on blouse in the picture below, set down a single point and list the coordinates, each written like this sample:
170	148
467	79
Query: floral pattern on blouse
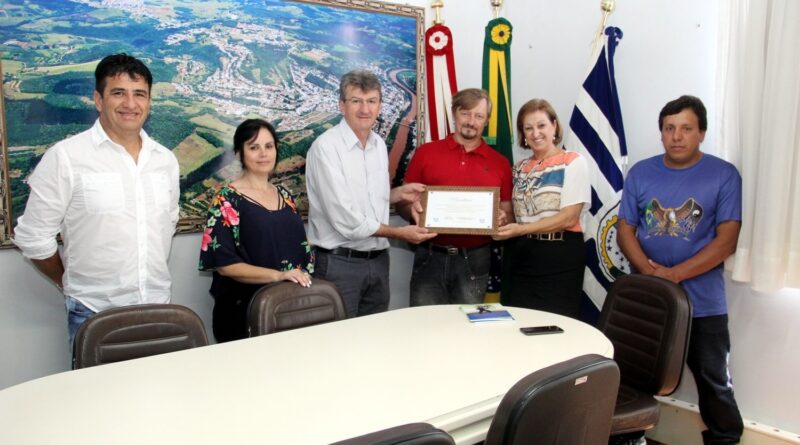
222	241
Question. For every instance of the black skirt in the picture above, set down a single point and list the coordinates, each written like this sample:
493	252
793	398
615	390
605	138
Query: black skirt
545	275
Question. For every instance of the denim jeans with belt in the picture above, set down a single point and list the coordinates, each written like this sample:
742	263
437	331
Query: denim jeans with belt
457	277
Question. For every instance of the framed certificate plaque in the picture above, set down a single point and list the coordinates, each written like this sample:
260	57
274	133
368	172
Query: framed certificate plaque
460	210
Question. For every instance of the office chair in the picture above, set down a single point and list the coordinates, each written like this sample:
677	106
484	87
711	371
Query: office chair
569	403
130	332
410	434
283	306
648	320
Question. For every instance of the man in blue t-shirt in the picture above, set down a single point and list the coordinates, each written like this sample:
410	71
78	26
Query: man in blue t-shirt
679	219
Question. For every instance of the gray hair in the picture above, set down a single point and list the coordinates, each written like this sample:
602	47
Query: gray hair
361	79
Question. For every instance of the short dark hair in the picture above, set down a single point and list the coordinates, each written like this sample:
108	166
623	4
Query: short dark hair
538	105
468	99
247	131
363	80
682	103
116	64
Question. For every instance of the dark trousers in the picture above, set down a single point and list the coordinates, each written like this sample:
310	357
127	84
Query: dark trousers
231	305
229	320
362	283
709	348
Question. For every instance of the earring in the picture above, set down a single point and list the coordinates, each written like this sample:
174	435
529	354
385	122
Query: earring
525	142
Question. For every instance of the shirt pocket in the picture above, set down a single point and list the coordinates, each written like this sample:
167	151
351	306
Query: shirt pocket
103	193
161	190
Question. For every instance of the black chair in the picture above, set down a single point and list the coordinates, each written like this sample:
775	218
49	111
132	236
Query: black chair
410	434
648	320
283	306
130	332
569	403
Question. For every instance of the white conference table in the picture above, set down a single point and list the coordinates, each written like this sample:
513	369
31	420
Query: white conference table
308	386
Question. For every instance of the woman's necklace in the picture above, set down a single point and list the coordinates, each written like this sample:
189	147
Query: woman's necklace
544	158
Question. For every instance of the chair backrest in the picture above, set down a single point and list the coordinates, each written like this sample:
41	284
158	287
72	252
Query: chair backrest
569	403
136	331
285	305
410	434
648	320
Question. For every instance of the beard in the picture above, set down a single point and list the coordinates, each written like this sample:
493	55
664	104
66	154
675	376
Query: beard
469	133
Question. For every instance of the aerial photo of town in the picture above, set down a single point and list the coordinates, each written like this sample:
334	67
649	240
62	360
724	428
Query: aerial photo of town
214	64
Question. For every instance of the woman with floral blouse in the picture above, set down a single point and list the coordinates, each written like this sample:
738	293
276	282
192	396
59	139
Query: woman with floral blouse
253	235
544	261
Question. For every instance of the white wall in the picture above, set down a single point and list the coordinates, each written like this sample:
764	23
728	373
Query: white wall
668	49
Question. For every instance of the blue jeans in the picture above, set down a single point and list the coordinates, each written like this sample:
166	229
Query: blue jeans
362	283
442	278
77	313
709	347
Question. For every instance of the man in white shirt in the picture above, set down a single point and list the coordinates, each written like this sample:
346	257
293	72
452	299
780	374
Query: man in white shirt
112	193
347	177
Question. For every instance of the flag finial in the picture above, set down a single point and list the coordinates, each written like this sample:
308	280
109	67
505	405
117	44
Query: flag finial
607	6
437	6
496	4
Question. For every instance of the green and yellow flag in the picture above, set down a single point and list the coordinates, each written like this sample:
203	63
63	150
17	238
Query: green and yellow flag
497	81
499	133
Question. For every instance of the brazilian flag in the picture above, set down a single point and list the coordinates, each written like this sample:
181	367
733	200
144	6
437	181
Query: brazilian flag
499	132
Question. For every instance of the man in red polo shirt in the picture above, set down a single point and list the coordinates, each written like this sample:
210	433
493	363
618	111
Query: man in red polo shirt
454	269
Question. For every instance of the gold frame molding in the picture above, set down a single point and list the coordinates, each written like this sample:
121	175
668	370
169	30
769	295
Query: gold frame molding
5	195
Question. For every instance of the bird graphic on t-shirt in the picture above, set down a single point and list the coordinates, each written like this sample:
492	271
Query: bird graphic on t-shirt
680	221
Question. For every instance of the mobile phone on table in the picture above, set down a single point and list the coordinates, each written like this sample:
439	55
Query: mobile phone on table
539	330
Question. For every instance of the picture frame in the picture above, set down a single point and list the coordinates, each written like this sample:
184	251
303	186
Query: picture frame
287	60
460	210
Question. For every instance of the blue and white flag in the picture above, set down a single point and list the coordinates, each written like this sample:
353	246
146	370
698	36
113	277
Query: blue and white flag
596	132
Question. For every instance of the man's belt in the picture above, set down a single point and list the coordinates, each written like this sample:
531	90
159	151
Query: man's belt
451	250
350	253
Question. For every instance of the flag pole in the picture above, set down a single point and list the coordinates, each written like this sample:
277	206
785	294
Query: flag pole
607	6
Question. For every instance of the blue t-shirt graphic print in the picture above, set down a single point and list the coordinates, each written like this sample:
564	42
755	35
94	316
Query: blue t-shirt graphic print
676	213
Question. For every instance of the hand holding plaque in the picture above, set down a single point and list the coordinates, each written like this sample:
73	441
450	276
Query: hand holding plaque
460	210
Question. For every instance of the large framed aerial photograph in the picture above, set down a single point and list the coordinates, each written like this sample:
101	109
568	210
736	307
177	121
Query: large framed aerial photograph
214	64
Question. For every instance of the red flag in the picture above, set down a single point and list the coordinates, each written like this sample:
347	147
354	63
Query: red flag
441	81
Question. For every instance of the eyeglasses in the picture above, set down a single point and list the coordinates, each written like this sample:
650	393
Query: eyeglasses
357	102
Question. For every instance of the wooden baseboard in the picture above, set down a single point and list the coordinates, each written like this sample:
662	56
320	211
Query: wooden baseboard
680	424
